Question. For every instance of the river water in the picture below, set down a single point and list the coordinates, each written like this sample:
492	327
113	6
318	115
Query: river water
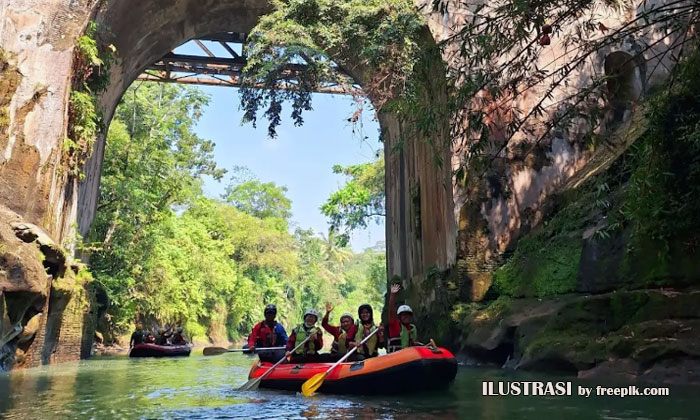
201	387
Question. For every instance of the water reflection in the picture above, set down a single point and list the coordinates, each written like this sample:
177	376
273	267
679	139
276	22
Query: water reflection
205	387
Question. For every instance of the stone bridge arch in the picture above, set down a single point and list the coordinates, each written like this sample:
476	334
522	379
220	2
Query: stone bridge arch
41	37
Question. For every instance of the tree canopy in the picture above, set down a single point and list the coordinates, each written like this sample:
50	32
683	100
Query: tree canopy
259	199
359	201
376	41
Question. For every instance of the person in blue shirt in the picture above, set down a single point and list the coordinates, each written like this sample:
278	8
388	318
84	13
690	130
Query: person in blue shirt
268	333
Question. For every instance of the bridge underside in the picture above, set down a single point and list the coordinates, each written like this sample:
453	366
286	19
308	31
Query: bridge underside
220	61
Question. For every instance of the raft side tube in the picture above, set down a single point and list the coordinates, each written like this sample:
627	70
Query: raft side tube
154	350
410	370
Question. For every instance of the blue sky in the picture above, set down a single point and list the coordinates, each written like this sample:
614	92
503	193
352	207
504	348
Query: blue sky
300	158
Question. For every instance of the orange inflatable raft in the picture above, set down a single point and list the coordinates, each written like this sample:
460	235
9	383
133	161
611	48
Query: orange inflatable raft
408	370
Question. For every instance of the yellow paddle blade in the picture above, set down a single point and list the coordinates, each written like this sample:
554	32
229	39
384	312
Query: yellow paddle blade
312	384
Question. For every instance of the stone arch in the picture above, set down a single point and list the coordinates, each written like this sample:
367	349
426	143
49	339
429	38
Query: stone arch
145	31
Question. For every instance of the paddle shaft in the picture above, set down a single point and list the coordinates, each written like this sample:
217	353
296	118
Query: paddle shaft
260	378
258	349
315	382
344	358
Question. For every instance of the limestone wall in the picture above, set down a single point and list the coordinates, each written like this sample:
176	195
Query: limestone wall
495	208
38	37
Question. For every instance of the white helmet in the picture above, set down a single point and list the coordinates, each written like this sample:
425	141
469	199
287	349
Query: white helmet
310	312
404	308
347	315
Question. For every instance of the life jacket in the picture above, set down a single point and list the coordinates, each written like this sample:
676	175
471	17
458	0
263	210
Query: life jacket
179	339
301	333
369	348
137	337
266	335
404	339
340	344
162	339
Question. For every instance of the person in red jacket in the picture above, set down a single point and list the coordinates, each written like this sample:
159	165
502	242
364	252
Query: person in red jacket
268	333
402	332
308	353
343	335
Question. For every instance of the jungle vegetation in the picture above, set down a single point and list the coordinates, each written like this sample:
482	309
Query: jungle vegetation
165	253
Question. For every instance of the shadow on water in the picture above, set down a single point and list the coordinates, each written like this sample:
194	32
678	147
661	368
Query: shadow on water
206	387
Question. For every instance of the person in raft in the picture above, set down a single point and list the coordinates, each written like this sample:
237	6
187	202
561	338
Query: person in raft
178	338
137	337
343	335
308	353
365	327
162	339
402	332
268	333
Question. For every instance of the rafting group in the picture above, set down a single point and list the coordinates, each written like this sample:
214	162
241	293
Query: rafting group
346	336
166	342
354	365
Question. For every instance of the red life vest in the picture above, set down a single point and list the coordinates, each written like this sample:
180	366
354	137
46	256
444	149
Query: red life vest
266	336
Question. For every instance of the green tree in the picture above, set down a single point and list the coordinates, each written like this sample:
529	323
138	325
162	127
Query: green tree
359	201
259	199
153	161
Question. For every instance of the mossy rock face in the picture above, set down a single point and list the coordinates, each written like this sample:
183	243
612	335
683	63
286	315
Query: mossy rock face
599	269
576	333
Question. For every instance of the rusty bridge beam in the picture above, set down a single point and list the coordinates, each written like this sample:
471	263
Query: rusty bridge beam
210	81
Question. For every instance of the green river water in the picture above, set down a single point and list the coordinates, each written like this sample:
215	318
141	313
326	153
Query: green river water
201	387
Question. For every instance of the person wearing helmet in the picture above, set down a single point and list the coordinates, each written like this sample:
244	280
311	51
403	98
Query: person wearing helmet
178	337
343	335
163	336
365	327
402	332
137	337
268	333
308	352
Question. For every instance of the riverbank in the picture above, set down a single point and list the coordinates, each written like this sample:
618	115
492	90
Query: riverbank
650	335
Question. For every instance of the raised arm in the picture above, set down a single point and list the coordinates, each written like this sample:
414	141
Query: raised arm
334	331
392	302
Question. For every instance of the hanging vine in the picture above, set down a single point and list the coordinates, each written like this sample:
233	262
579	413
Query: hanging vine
305	44
91	77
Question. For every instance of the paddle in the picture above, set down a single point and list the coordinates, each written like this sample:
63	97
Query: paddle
315	382
253	383
213	351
